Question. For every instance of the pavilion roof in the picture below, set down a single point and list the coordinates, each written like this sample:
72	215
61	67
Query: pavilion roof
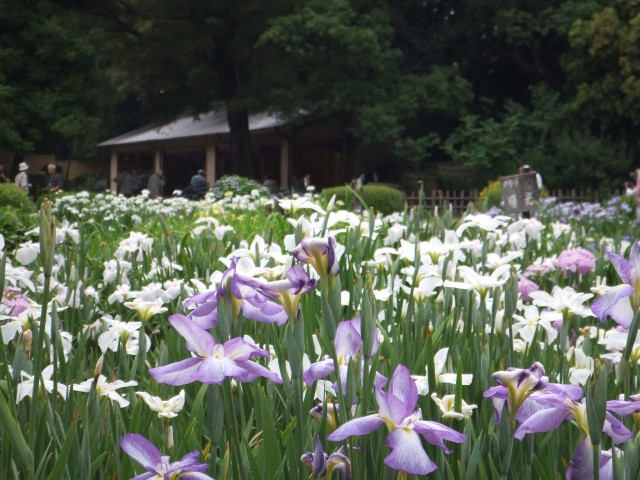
211	123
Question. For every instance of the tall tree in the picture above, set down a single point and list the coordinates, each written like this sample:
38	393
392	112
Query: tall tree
604	67
191	56
53	97
337	59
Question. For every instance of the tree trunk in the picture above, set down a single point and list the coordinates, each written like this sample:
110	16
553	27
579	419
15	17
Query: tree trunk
241	154
348	157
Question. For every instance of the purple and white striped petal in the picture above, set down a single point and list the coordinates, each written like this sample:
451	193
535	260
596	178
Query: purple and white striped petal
407	453
141	450
634	263
178	373
622	407
402	396
255	370
190	461
621	264
616	304
215	370
357	426
544	421
435	433
348	339
300	281
199	341
241	350
260	309
206	315
195	476
317	371
581	466
615	429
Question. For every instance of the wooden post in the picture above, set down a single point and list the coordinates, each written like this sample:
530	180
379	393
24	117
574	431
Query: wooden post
113	170
158	160
210	162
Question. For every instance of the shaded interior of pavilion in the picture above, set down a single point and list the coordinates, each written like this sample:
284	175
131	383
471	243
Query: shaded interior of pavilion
283	153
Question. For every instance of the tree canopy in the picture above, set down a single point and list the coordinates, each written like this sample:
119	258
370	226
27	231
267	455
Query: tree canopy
488	84
53	96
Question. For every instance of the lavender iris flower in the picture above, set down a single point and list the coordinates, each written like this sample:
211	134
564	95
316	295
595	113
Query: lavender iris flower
581	465
561	408
526	391
577	260
320	253
158	466
248	295
405	425
348	342
213	362
620	302
292	288
322	465
516	385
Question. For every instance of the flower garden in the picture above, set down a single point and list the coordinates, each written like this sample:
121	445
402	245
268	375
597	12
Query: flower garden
244	337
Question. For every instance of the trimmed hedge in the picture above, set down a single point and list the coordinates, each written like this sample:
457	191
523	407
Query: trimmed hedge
384	199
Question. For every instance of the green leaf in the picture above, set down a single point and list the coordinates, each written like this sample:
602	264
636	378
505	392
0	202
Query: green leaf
61	461
12	429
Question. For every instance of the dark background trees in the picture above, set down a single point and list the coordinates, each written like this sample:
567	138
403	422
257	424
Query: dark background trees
490	84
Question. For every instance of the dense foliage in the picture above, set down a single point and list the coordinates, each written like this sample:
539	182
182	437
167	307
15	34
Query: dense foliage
381	198
491	85
16	213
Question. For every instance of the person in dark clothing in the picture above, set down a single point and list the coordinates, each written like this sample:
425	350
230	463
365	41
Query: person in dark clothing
198	186
124	180
53	182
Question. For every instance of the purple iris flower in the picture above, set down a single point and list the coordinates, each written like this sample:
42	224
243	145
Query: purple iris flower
620	302
213	362
323	465
516	385
291	289
15	300
249	296
525	287
576	260
405	425
158	466
348	342
581	465
320	253
562	408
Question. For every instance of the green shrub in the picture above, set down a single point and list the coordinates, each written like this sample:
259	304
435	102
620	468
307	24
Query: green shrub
16	213
237	186
383	199
12	196
490	196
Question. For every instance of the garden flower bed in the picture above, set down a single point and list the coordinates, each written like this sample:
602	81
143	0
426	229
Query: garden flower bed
249	337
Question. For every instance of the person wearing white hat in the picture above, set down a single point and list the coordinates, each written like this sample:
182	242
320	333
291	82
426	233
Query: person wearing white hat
22	180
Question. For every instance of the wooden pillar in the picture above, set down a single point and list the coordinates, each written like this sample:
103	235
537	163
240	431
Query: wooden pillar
158	160
210	162
113	170
284	163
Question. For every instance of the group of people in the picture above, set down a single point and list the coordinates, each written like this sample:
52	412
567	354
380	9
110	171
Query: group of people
52	183
128	184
